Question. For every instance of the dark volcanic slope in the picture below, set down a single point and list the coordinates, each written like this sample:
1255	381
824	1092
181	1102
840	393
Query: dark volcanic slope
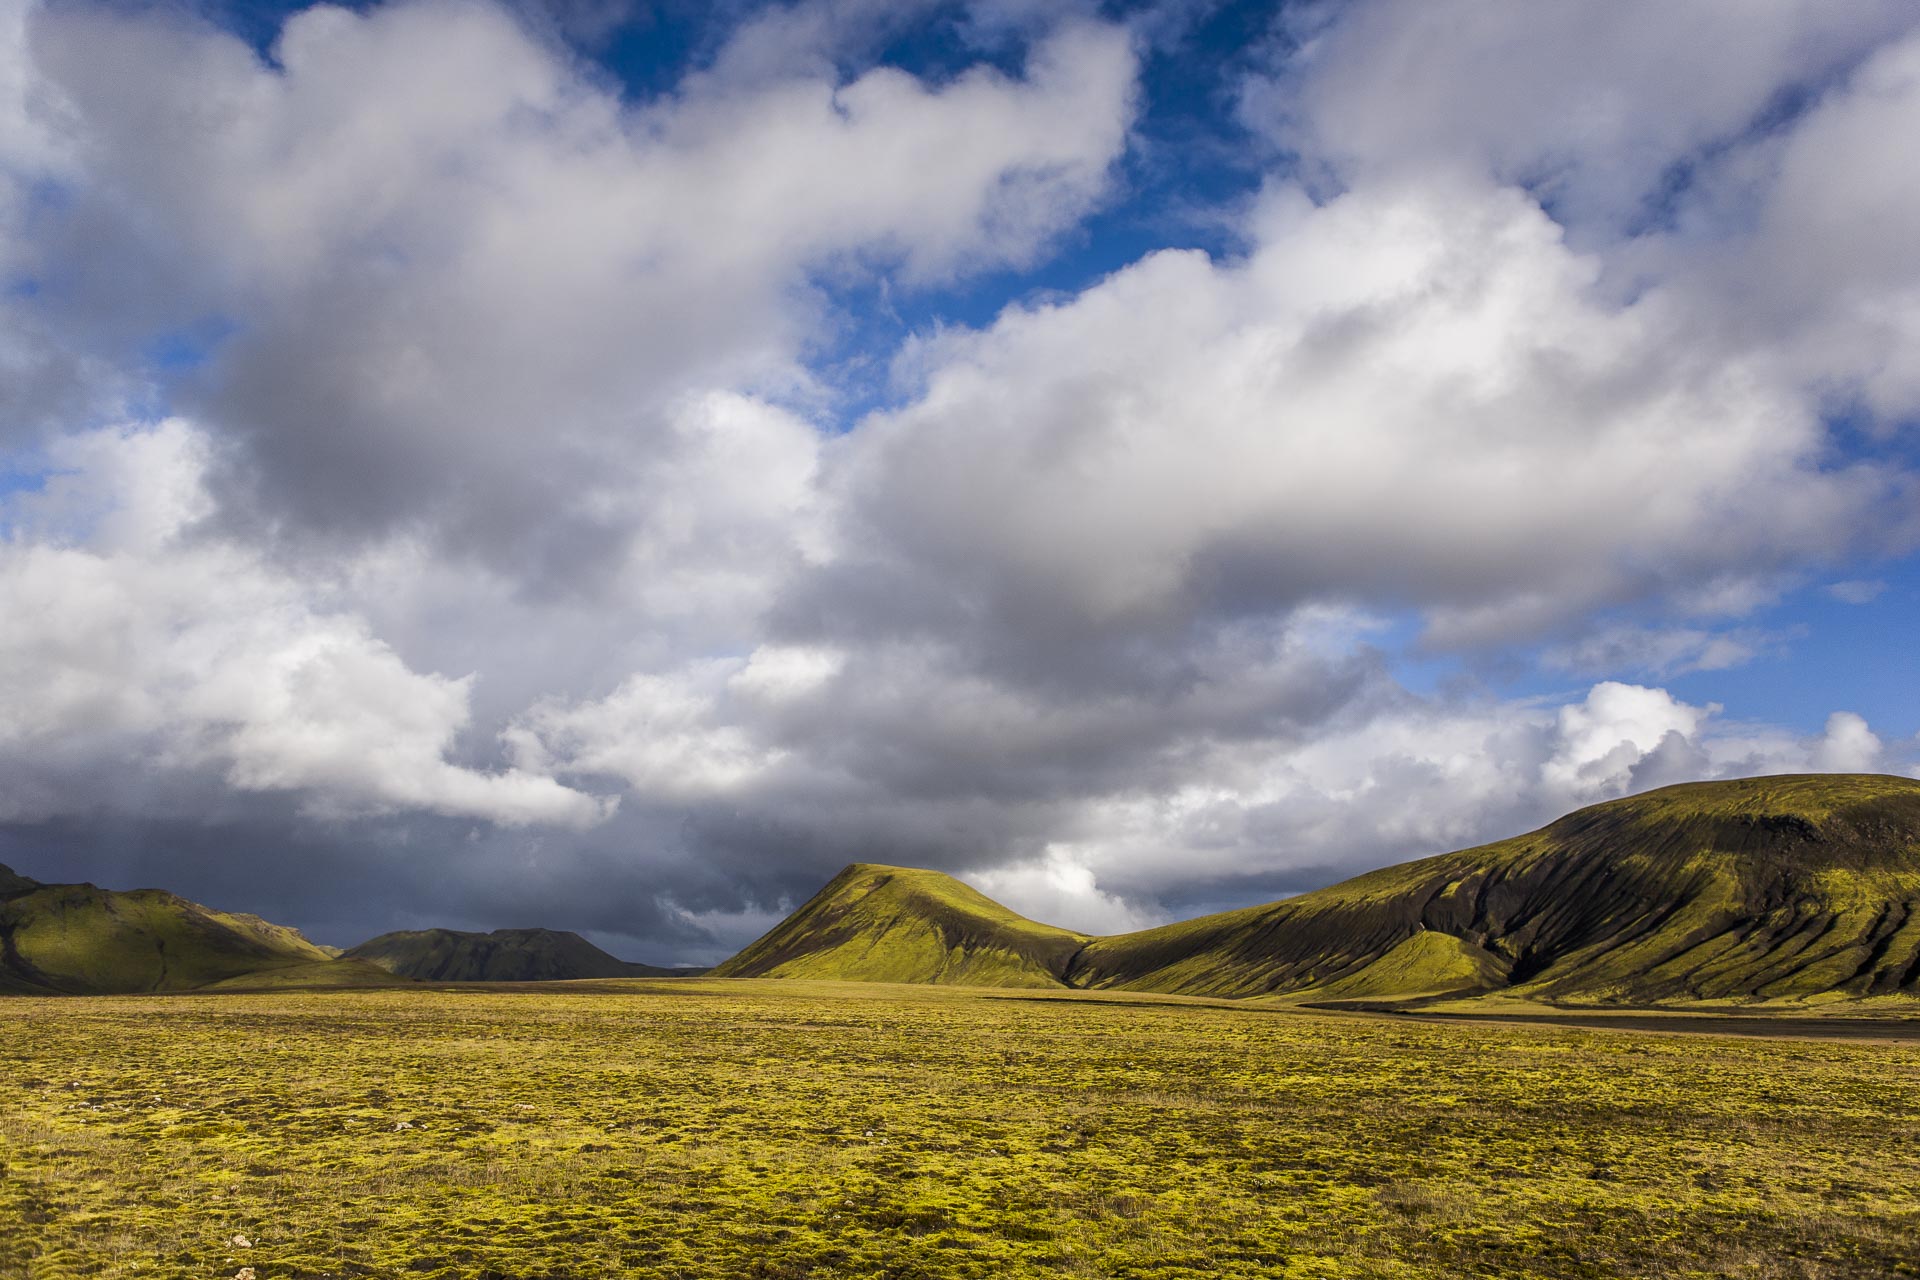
77	938
505	955
1761	888
899	924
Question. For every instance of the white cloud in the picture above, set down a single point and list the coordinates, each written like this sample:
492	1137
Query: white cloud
1660	651
1411	393
468	288
1827	277
1060	889
779	675
150	649
1848	746
663	735
1732	158
1857	591
1602	739
1591	105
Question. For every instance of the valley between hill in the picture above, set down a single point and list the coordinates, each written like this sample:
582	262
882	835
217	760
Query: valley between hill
1783	891
1793	892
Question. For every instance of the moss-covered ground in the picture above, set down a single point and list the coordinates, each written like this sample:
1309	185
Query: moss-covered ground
709	1129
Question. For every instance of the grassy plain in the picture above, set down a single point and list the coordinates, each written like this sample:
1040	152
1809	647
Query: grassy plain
763	1129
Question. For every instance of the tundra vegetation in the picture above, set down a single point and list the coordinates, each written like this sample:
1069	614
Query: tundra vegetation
710	1128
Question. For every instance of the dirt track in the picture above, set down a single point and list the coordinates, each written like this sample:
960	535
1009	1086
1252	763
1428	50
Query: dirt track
1718	1024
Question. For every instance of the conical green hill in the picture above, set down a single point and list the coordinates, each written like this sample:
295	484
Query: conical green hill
1799	887
897	924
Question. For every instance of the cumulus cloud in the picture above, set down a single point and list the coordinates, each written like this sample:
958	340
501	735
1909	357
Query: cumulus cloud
1409	394
1600	741
42	382
1059	889
145	649
1599	110
462	283
1824	276
1847	746
1732	160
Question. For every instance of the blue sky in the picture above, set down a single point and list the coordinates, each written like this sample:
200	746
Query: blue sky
607	465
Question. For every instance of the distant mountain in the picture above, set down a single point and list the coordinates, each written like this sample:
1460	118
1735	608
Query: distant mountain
1802	888
505	955
898	924
79	939
76	938
1789	888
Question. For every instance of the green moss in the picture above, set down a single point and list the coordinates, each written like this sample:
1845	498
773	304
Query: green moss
1426	964
782	1129
319	973
76	937
898	924
1768	889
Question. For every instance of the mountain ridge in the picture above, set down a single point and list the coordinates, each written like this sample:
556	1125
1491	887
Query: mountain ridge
1697	892
81	939
1791	887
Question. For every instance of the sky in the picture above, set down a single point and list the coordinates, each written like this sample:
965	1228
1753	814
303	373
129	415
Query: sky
606	466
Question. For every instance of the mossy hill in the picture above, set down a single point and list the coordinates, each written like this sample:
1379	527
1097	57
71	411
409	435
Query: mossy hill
317	976
77	938
898	924
1802	888
1765	888
505	955
1798	889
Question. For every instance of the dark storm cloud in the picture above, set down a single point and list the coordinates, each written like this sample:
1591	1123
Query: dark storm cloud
342	883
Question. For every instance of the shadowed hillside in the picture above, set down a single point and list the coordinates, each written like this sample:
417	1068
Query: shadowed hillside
1801	888
1804	887
505	955
77	938
1786	887
897	924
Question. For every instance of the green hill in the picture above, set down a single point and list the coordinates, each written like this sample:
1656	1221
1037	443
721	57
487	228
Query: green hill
77	938
897	924
1799	889
505	955
318	974
1803	888
1765	888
